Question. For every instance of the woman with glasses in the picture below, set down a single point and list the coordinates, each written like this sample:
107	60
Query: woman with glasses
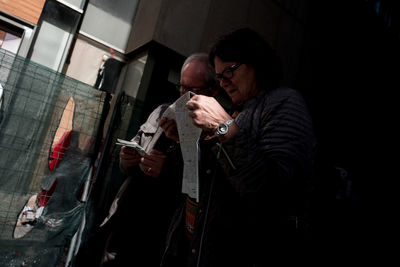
252	200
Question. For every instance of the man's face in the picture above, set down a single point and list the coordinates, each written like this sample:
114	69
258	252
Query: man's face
192	79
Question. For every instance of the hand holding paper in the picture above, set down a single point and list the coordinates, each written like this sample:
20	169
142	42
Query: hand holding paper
170	128
189	136
133	145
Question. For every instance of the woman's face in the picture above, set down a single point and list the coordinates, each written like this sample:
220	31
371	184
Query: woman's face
238	80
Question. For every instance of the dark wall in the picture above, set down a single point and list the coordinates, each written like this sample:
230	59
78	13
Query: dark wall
349	77
354	62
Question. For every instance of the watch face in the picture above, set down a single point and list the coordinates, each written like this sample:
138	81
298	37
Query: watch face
222	129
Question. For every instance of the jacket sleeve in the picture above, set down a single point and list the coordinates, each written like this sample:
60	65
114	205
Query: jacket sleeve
145	134
274	144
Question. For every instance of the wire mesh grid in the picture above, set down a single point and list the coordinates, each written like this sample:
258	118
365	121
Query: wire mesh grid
48	133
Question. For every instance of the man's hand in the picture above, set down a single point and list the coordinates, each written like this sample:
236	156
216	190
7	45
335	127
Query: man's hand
128	157
153	163
170	128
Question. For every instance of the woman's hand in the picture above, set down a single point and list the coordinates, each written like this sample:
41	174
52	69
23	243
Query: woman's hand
206	112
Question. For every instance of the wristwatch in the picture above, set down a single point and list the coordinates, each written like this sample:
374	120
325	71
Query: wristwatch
223	128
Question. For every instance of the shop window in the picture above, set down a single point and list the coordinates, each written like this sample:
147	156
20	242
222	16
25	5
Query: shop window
14	36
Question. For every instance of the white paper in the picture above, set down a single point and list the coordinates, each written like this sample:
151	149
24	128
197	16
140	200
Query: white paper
133	145
189	136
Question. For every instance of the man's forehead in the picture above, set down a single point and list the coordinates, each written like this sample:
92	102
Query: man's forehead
195	66
193	73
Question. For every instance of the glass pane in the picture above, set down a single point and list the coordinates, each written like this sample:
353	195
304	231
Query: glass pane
20	35
134	75
55	35
73	3
114	27
9	41
10	36
50	46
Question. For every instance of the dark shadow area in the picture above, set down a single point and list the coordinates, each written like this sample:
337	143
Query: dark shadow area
353	58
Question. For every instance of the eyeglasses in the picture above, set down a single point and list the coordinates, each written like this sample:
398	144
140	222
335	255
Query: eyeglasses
227	73
195	89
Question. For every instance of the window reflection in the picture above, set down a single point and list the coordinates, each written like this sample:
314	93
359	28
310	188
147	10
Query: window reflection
63	135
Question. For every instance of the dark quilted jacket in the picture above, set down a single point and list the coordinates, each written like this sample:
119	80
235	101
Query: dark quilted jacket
253	188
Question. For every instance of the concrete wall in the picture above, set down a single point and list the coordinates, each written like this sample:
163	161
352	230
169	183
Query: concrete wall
182	24
188	26
144	24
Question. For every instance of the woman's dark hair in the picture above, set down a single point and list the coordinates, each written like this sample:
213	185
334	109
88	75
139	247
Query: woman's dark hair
248	47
